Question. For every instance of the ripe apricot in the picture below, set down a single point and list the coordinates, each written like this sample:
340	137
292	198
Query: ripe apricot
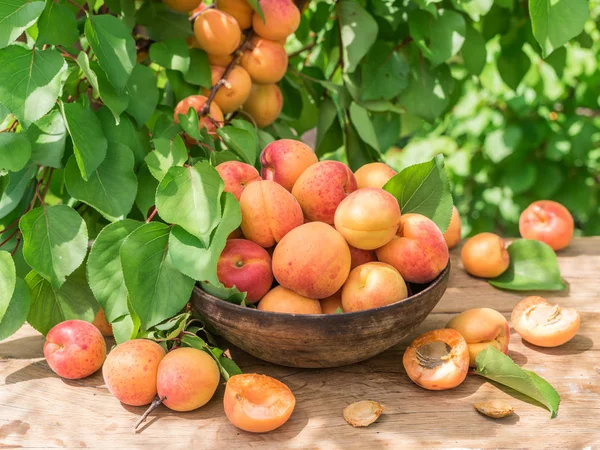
452	233
284	160
330	305
372	285
234	92
543	324
102	324
219	60
240	10
485	256
282	18
264	104
373	175
130	371
359	256
282	300
217	32
237	175
182	5
197	102
418	251
549	222
74	349
312	260
269	212
257	403
266	61
247	266
321	188
482	327
368	218
187	379
437	360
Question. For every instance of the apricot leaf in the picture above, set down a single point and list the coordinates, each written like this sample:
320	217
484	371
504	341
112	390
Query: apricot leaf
57	25
162	22
16	17
166	154
48	137
171	54
146	193
13	187
16	313
533	266
15	151
255	4
143	93
231	295
473	51
198	72
241	139
8	279
439	39
498	367
358	31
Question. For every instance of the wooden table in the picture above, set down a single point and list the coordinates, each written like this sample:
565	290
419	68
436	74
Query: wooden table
38	409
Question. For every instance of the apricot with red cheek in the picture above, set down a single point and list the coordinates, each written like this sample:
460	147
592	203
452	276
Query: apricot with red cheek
359	256
264	104
240	10
197	102
284	160
282	18
332	304
482	328
282	300
437	360
543	324
452	234
485	255
374	175
237	175
217	32
549	222
266	61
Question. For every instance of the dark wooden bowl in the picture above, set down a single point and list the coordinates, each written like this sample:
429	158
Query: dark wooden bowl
313	340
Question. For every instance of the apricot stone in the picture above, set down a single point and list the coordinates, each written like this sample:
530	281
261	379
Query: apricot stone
368	218
373	175
284	160
130	371
418	251
330	305
359	256
264	104
182	5
217	32
282	300
321	188
266	61
282	18
372	285
485	256
102	324
269	212
237	175
549	222
74	349
240	10
312	260
197	102
231	95
452	233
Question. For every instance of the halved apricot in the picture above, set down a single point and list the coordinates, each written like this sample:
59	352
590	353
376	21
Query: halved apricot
543	324
437	360
257	403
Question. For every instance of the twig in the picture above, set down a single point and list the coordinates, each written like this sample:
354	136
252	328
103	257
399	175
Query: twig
11	127
9	237
341	61
404	43
17	244
65	53
155	404
151	216
78	5
48	183
302	50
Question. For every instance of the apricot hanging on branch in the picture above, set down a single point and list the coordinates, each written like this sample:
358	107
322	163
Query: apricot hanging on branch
217	32
264	104
282	18
266	61
233	88
215	115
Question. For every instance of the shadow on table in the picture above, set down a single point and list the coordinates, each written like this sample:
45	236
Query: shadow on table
23	348
579	344
34	371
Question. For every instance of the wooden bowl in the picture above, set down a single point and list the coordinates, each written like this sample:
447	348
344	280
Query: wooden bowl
319	340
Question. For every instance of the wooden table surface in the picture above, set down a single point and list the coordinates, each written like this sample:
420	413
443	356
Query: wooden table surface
38	409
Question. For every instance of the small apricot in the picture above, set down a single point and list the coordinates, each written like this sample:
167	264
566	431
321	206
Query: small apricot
543	324
452	233
182	5
485	255
282	18
284	160
549	222
282	300
231	95
102	324
215	115
240	10
266	61
219	60
264	104
237	175
374	175
332	304
437	360
217	32
359	256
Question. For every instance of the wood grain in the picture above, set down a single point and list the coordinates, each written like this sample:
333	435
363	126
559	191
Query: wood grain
39	410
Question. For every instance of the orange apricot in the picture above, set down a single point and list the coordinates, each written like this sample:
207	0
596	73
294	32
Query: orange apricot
266	61
359	256
197	102
217	32
485	256
219	60
549	222
452	233
330	305
102	324
282	300
182	5
374	175
237	175
264	104
240	10
231	95
284	160
282	18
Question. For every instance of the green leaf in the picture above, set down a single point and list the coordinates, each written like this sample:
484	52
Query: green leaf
357	152
513	64
198	72
384	73
31	81
125	328
17	311
157	290
498	367
474	8
114	47
228	367
190	124
166	154
171	54
48	138
104	270
8	279
428	92
362	122
89	143
424	189
51	305
387	128
503	142
146	192
15	17
329	132
111	188
190	197
13	187
55	241
162	22
440	38
57	26
231	295
15	151
358	31
199	261
241	139
143	93
255	5
533	266
473	51
556	22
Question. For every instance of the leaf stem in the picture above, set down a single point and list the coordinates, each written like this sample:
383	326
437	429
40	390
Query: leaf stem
152	214
11	127
78	5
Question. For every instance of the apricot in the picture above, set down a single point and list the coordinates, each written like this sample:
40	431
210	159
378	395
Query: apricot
197	102
187	379
182	5
359	256
102	324
372	285
321	188
282	300
240	10
452	233
247	266
257	403
437	360
237	175
284	160
217	32
312	260
74	349
219	60
264	104
482	327
543	324
234	92
373	175
269	212
368	218
130	371
549	222
330	305
485	256
418	251
282	18
235	234
266	61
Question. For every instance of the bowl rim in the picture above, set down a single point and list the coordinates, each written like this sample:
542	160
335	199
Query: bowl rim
229	306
